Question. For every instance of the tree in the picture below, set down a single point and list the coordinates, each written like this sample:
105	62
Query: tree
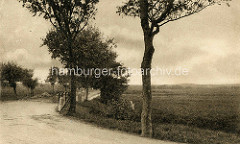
93	52
52	77
30	83
13	73
69	17
153	15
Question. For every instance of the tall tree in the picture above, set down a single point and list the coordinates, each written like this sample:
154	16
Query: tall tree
68	17
153	15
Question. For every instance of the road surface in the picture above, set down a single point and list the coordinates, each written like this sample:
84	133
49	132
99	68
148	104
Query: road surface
29	122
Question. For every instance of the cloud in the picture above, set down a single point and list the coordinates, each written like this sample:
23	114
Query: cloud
229	66
26	59
177	56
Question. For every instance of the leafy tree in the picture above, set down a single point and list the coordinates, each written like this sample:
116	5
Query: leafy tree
52	77
153	15
30	83
13	73
69	17
93	52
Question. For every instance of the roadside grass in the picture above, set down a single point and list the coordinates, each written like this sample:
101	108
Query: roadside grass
199	115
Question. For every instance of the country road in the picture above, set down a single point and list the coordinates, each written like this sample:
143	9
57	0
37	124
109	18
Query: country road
29	122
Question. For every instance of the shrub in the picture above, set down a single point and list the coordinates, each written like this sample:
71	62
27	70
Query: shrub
121	109
117	109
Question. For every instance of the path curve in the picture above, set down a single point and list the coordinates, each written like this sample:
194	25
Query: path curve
29	122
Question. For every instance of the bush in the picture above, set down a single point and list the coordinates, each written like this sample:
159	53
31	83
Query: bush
112	88
117	109
122	110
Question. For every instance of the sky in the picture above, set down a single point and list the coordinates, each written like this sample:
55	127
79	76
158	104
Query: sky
206	44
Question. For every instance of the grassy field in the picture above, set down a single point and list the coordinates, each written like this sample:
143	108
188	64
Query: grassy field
211	107
188	113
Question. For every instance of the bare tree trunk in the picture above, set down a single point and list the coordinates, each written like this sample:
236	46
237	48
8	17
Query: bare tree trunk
1	81
65	88
53	89
72	108
87	92
146	120
15	90
29	91
32	92
14	86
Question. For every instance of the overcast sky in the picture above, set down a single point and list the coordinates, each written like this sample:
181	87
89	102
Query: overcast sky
207	43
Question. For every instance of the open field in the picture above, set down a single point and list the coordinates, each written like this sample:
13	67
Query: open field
211	107
191	114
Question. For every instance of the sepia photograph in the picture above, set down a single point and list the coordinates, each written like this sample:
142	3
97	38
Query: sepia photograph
119	71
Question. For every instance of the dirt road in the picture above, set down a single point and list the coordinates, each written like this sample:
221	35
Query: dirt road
28	122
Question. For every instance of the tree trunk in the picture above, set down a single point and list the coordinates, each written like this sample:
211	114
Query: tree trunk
87	92
146	120
72	108
53	89
0	89
14	86
65	88
15	89
32	92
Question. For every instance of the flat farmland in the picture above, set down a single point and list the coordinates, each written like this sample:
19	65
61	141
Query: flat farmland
214	107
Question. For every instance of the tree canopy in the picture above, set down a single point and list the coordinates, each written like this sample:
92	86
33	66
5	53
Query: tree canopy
91	51
68	16
160	12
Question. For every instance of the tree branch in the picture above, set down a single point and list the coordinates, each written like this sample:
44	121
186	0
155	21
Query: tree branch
165	13
189	14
